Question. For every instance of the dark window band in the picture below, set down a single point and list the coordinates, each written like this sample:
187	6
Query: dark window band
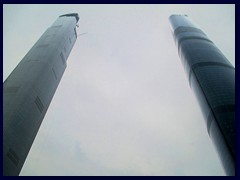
191	37
183	29
219	109
224	108
202	64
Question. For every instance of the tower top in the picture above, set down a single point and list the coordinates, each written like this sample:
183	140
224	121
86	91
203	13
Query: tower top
71	14
178	15
178	20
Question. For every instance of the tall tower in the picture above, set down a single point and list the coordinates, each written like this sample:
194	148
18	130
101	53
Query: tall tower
212	78
29	89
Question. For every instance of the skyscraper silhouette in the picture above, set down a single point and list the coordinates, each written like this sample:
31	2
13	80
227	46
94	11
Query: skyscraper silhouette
212	78
29	89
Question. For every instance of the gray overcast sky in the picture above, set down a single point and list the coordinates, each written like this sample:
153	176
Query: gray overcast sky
124	105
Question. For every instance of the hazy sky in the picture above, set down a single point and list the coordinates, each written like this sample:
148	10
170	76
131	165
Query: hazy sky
124	105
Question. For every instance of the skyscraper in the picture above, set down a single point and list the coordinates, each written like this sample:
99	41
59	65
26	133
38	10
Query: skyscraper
29	89
212	78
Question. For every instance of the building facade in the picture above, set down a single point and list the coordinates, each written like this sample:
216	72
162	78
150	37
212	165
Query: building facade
29	89
212	78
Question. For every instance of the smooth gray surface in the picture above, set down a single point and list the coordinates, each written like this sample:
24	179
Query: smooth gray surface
29	89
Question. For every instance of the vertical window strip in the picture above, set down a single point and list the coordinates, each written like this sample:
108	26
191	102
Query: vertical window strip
54	74
39	104
13	156
63	59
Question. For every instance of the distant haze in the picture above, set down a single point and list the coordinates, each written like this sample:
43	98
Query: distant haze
124	105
